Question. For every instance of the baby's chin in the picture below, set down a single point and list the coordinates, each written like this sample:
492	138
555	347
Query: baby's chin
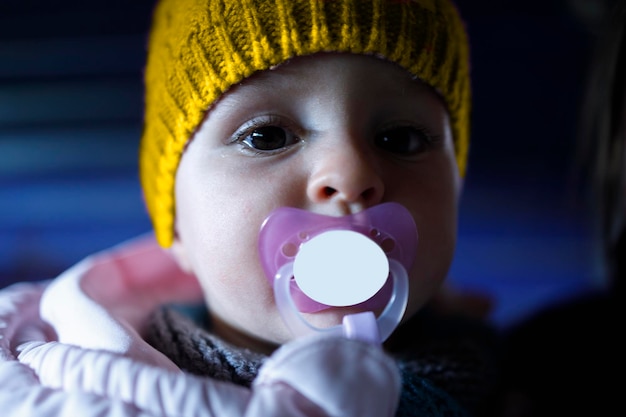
330	317
333	316
276	332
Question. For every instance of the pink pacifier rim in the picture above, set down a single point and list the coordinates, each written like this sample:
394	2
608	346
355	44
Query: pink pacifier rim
390	225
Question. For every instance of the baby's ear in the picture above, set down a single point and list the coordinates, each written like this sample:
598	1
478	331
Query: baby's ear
179	253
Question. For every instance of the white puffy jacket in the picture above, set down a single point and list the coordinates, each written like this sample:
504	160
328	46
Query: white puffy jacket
73	347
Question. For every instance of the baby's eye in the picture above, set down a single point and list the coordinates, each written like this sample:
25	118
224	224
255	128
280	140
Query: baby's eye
268	138
403	140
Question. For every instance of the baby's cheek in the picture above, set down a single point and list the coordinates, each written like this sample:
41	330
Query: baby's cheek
247	291
428	274
248	304
420	293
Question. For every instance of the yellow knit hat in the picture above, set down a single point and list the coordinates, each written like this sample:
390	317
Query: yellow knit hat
200	48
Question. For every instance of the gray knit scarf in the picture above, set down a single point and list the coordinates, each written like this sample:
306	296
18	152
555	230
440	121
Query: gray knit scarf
444	377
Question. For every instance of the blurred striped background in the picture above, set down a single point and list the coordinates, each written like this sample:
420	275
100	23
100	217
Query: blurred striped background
70	120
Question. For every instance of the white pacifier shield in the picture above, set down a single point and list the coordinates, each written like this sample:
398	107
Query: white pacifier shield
340	268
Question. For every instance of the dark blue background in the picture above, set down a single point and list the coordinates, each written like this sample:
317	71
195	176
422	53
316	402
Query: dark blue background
70	120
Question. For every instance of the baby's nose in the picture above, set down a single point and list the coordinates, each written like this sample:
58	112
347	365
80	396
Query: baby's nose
346	176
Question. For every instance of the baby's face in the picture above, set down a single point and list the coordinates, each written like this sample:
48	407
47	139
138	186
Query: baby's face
332	134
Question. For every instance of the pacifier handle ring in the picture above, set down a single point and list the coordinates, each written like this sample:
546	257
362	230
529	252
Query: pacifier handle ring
387	321
391	316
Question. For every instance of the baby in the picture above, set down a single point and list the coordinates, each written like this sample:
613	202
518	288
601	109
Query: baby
323	112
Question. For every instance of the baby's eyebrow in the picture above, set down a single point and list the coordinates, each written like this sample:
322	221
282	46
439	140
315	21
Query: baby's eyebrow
261	88
257	84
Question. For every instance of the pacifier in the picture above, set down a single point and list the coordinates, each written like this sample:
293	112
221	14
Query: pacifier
315	262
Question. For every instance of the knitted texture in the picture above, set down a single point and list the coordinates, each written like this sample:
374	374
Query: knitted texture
445	372
200	352
198	49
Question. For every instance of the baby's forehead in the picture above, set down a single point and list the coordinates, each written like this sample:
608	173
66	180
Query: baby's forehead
297	74
319	90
